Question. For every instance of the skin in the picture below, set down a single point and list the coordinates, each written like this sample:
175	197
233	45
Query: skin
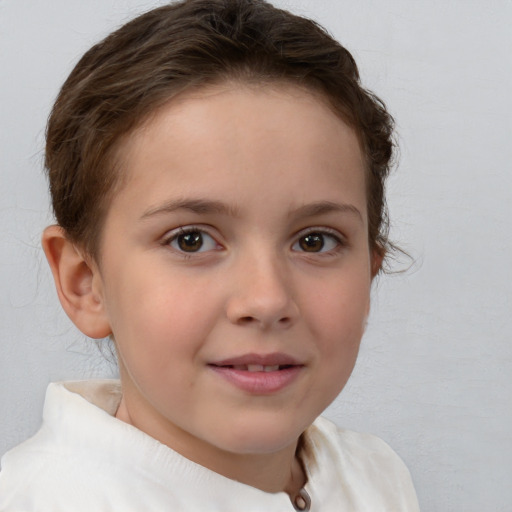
271	166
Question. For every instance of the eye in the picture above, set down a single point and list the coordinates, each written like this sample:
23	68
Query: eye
317	242
192	240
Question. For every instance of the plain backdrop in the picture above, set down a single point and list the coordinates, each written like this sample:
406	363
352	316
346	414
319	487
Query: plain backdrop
434	377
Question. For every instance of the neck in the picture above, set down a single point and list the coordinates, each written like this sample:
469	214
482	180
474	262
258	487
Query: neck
276	472
270	472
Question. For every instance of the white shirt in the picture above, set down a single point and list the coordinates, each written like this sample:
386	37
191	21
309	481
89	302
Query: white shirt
83	459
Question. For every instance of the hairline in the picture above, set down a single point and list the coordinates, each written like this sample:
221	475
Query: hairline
115	164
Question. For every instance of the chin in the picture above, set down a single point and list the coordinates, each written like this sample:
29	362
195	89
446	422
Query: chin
261	437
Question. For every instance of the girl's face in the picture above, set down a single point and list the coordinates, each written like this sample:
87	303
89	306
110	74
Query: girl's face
235	269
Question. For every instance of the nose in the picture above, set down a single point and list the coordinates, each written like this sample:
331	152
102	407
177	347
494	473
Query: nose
262	295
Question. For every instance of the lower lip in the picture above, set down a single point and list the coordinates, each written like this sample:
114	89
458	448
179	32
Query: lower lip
262	383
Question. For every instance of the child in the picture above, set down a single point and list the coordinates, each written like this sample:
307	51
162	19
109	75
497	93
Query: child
217	175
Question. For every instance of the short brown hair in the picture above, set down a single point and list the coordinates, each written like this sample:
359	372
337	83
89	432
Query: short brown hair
136	69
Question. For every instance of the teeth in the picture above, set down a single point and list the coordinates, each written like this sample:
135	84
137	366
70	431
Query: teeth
255	368
261	368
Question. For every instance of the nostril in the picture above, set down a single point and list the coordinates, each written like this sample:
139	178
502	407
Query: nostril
246	320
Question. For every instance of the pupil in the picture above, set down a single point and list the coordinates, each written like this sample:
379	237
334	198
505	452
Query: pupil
313	242
190	242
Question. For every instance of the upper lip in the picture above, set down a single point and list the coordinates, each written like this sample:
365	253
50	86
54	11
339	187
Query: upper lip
274	359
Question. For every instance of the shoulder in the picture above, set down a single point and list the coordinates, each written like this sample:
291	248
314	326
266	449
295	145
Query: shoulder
36	475
371	474
83	459
56	468
352	447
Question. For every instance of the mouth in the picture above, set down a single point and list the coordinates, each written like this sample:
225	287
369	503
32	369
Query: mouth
259	374
255	367
258	362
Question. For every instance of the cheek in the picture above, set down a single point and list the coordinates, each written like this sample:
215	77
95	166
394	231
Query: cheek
340	324
339	313
158	321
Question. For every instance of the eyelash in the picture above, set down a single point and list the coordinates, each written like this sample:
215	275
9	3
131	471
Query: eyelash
325	233
335	236
174	235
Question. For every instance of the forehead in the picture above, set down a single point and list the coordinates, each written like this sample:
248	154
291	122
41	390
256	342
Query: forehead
212	99
242	133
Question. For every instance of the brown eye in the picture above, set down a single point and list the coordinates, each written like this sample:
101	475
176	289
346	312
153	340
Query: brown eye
312	242
318	242
190	242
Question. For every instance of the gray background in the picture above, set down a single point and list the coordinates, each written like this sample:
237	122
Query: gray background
434	376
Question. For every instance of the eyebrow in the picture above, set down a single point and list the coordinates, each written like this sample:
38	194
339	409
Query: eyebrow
199	206
326	207
206	206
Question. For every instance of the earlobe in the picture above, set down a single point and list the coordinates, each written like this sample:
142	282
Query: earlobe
78	283
377	257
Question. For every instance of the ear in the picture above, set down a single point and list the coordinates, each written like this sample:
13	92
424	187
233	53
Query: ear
377	257
78	283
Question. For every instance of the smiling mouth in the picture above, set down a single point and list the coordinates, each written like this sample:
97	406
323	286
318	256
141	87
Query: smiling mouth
259	374
254	362
255	367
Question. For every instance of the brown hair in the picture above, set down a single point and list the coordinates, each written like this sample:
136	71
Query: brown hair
120	81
